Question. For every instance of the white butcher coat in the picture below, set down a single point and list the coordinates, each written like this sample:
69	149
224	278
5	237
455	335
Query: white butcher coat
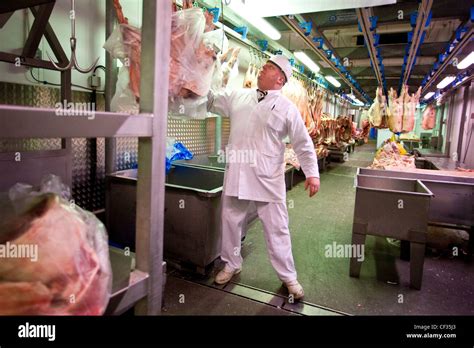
257	130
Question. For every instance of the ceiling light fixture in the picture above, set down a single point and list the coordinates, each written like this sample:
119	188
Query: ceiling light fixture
333	81
446	81
258	22
428	95
307	61
466	62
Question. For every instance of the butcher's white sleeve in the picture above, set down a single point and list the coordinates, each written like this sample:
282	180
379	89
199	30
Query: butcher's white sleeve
302	143
220	103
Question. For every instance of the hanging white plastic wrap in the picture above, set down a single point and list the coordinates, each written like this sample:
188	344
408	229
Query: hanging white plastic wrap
125	44
194	66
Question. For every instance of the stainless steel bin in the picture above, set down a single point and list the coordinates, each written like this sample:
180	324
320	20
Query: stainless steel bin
192	232
396	208
453	195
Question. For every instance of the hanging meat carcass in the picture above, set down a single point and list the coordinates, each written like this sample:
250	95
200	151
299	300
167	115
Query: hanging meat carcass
429	118
378	112
251	76
316	102
410	102
395	119
297	93
228	62
193	57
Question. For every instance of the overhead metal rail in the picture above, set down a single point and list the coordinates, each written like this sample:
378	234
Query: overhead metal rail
364	16
459	43
417	38
295	26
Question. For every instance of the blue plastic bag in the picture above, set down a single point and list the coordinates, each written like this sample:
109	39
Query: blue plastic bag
178	152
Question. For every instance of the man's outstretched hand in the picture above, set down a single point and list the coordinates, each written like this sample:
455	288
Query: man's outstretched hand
313	184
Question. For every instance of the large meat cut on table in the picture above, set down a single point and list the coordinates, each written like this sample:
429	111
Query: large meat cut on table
71	274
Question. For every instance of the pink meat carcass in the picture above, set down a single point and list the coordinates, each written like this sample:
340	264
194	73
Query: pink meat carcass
395	119
410	103
70	275
429	118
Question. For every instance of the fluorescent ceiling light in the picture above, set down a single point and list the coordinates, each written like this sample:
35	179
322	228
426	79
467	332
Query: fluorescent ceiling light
258	22
466	62
446	81
307	61
428	95
286	7
333	81
459	82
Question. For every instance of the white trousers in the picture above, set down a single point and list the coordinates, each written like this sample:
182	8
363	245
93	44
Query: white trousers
274	217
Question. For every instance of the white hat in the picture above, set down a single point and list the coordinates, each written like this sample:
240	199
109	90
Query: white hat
284	64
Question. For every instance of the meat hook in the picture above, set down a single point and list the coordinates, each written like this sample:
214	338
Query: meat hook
73	60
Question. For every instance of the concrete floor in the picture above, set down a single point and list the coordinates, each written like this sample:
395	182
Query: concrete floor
383	286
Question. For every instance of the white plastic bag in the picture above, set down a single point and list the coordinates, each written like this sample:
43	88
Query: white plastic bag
124	99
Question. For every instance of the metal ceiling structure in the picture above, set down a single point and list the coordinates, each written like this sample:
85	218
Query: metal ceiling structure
393	25
383	45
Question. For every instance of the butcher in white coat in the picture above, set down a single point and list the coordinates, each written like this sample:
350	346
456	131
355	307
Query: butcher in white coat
260	119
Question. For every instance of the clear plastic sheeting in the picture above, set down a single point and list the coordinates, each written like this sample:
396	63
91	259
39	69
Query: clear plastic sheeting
54	255
125	44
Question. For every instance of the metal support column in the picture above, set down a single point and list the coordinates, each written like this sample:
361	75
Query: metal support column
110	82
156	34
218	137
463	121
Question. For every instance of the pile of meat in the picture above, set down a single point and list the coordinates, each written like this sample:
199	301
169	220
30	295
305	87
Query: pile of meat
429	118
71	273
402	110
389	157
334	131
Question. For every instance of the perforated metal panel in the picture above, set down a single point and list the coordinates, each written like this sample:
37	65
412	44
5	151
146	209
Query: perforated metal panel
89	154
88	175
127	153
225	132
197	135
192	133
211	134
